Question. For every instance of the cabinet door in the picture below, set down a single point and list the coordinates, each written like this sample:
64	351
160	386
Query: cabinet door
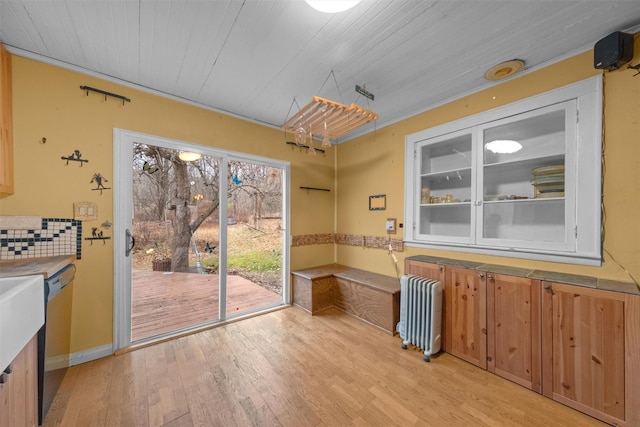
19	395
466	315
444	188
433	272
591	343
523	187
424	269
513	327
6	133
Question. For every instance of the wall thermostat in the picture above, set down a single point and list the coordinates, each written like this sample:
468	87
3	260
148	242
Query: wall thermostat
391	226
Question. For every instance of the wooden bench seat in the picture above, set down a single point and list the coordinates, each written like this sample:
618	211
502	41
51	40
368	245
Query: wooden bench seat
371	297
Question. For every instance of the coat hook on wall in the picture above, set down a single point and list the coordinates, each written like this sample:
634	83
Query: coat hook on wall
97	234
105	93
43	140
293	145
76	156
314	188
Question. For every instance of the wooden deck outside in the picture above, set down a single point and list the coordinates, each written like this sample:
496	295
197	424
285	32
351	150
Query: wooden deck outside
163	302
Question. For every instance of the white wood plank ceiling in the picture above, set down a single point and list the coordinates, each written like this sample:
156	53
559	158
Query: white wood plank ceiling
252	58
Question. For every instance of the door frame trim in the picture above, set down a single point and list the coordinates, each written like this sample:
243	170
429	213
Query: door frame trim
122	220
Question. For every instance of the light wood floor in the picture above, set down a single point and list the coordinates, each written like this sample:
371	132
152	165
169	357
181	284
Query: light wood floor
165	302
291	369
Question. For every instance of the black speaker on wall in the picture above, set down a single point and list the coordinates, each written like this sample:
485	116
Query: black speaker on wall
613	51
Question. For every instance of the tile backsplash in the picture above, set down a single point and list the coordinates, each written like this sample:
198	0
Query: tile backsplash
56	236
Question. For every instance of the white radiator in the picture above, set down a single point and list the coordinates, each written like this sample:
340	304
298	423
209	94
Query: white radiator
420	314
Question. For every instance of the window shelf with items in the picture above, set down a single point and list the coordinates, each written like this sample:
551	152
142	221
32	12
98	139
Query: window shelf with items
507	181
448	187
533	169
446	183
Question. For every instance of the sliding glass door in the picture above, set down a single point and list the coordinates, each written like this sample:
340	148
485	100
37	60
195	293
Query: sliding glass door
255	236
197	239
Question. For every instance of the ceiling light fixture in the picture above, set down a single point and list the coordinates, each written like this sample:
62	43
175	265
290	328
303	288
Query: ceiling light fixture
504	69
188	156
332	6
503	146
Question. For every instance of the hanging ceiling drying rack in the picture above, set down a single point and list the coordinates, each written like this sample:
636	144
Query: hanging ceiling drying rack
328	118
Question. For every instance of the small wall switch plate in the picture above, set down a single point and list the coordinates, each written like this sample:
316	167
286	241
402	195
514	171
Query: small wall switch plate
390	226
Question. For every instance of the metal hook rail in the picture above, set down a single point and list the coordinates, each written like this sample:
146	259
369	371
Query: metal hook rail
88	89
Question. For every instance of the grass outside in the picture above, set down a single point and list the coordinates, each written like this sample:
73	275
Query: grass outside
254	253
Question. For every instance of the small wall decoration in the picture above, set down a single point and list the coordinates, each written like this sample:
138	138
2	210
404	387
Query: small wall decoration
99	179
85	211
97	234
378	202
76	156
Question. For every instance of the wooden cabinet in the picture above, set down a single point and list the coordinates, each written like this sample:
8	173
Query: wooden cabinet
591	351
6	127
372	297
424	269
513	329
433	271
313	288
575	344
465	315
19	394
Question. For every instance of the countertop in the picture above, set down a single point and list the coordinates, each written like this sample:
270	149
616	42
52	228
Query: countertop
47	266
569	279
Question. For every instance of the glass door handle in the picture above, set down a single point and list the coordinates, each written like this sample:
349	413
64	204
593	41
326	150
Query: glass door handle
129	239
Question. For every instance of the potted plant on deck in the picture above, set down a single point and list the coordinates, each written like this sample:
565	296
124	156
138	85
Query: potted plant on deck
161	260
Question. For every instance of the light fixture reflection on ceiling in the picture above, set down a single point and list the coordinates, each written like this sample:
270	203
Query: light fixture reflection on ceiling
332	6
503	146
189	156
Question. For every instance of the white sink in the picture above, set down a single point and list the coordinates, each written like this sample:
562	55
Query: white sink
21	314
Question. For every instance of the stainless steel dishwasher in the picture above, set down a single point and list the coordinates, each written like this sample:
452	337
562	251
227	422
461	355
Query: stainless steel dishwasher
54	341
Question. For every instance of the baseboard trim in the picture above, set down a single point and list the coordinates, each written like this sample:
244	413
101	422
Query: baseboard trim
91	354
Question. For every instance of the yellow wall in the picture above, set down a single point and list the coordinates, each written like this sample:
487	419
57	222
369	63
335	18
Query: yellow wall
47	102
374	164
